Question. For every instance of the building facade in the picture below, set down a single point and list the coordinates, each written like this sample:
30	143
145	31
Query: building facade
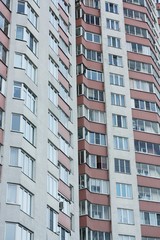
38	120
97	61
118	119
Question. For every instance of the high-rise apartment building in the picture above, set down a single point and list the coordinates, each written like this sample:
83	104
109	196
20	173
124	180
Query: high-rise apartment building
118	84
116	99
38	135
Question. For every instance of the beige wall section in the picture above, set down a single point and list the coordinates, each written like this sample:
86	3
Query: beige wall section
111	131
37	223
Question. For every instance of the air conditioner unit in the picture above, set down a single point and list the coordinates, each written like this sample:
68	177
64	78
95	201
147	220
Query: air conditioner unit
61	206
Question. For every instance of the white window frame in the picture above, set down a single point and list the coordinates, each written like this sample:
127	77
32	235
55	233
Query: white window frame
52	185
125	216
19	158
18	195
124	190
52	224
52	153
121	143
52	123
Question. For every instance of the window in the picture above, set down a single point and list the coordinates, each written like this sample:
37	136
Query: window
91	94
99	211
91	3
19	158
53	19
125	216
137	31
22	124
148	170
145	105
2	85
91	114
94	185
92	137
111	7
134	14
62	44
23	62
91	19
3	53
63	174
114	42
117	99
31	42
89	54
63	25
52	185
145	126
63	118
92	37
64	93
25	8
16	231
94	211
122	166
116	79
98	186
121	143
52	94
89	73
16	194
4	24
140	66
16	122
29	131
20	33
138	48
113	24
6	2
64	146
63	69
149	194
21	7
93	75
21	91
124	190
96	235
150	218
119	121
94	161
52	123
53	68
64	235
115	60
53	43
143	86
32	16
51	219
52	153
137	2
147	147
